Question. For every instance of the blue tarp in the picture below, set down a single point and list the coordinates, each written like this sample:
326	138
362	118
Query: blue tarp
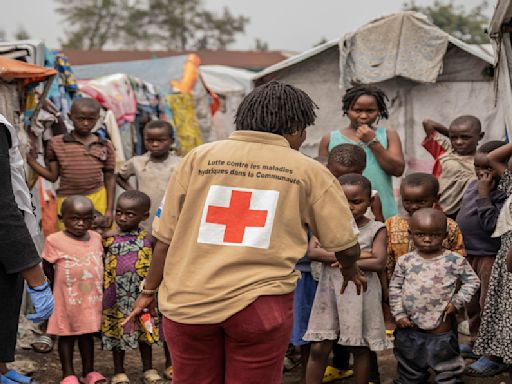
158	72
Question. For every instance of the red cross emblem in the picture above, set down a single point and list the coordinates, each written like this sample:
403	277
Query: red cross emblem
237	217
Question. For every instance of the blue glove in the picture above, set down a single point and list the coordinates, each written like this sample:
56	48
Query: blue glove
42	299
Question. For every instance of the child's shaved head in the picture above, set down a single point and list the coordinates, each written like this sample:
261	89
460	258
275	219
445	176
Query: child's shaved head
85	103
428	218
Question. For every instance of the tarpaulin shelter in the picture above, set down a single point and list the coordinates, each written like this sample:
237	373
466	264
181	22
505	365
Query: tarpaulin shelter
425	72
500	29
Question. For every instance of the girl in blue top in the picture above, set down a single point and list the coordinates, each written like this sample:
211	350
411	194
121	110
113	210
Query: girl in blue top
365	105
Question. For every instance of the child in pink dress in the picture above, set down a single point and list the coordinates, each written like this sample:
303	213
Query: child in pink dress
73	261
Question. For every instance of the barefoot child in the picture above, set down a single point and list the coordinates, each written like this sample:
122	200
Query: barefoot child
423	300
477	219
353	320
153	169
83	162
128	255
74	263
453	150
364	106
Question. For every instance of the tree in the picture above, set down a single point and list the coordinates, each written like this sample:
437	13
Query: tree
323	40
467	25
260	45
21	33
172	24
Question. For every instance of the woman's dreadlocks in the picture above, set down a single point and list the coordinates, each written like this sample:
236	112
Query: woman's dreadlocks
276	108
356	92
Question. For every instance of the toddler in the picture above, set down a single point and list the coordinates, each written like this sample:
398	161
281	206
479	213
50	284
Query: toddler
453	150
128	255
480	207
153	169
83	162
354	320
73	261
417	190
423	300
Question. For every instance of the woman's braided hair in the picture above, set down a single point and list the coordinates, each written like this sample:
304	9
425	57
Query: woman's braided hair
276	108
357	91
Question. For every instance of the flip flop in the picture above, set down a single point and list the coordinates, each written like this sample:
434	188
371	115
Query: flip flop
151	376
168	373
120	378
5	380
43	344
19	378
93	378
334	374
466	351
71	379
484	367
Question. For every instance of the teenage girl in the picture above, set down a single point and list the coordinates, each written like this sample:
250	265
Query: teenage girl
365	105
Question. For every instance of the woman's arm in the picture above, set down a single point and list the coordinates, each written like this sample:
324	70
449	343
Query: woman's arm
391	159
378	262
323	147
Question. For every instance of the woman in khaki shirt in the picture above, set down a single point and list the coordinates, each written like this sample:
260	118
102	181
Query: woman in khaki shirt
229	232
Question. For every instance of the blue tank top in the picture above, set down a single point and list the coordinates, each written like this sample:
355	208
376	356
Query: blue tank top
380	180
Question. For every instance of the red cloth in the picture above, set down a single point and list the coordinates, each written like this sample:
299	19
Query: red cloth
248	347
436	150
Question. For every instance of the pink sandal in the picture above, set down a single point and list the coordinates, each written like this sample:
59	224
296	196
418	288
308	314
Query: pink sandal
93	378
71	379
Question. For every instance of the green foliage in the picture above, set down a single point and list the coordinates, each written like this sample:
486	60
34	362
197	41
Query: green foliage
170	24
466	25
21	33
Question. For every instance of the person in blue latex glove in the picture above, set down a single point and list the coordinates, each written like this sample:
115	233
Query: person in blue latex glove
19	259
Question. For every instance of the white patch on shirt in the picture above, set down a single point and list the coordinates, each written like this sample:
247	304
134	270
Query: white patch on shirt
238	217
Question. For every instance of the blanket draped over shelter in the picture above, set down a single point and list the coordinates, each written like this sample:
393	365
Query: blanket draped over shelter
388	47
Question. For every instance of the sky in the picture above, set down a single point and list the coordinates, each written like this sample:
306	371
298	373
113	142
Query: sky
293	25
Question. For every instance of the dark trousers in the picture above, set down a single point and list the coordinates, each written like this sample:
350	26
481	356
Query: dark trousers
417	351
482	265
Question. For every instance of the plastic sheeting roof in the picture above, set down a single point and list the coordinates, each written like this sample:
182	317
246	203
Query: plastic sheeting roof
223	79
476	50
158	72
30	73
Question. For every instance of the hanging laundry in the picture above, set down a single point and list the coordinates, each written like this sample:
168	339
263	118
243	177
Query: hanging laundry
188	132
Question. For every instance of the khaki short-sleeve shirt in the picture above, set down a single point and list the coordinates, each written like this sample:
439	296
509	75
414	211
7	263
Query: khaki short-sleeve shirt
236	214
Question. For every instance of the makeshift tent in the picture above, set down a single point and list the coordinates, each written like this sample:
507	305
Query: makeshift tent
231	84
499	31
425	72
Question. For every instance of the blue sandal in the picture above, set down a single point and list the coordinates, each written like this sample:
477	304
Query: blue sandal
18	378
466	351
5	380
484	367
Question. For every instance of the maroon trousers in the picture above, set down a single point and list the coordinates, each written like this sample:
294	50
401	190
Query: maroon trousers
247	348
482	265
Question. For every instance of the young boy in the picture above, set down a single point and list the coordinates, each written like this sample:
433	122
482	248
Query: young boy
453	150
480	208
153	169
418	190
349	158
83	162
423	300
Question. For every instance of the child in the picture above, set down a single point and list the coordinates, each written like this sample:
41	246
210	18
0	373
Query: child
495	333
480	207
153	169
74	263
83	162
364	105
453	150
417	190
128	255
423	299
349	158
354	320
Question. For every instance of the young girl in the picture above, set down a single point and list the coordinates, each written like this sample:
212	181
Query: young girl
354	320
128	255
364	106
74	263
495	333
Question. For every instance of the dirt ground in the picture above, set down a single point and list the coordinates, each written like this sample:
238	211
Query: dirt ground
47	367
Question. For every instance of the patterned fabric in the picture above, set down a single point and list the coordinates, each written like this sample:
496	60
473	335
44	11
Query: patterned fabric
422	288
496	320
128	256
399	242
187	127
63	66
